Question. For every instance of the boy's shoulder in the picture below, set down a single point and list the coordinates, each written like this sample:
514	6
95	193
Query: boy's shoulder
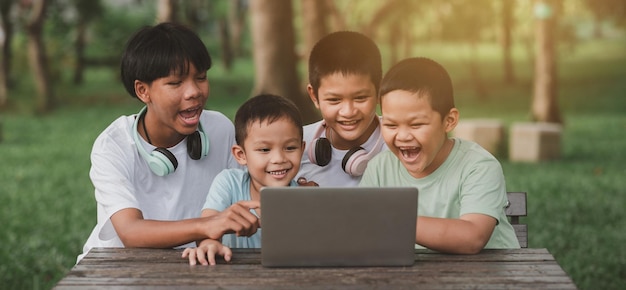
469	156
210	116
472	149
119	129
216	123
232	178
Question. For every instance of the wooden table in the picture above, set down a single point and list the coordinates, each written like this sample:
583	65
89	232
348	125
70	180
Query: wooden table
151	268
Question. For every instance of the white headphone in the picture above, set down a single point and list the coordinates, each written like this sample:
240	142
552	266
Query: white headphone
354	162
161	161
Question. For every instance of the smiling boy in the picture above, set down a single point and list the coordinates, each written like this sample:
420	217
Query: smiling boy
462	190
268	131
344	75
151	170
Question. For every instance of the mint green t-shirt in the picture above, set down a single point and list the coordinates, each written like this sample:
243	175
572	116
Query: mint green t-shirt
469	181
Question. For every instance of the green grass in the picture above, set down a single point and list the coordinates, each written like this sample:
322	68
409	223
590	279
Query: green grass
575	204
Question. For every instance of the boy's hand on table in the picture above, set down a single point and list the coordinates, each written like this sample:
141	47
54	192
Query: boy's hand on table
205	253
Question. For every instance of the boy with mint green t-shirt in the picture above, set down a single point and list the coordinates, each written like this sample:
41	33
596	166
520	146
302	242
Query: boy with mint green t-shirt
462	192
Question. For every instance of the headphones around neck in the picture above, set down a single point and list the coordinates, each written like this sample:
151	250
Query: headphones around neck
354	162
161	161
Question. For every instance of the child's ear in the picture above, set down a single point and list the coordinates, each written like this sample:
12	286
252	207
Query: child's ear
239	154
142	91
451	120
311	92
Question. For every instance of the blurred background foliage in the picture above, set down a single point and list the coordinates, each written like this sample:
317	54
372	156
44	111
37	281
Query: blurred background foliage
55	98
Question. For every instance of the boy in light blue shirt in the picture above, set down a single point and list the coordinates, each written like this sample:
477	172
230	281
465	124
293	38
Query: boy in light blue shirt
268	132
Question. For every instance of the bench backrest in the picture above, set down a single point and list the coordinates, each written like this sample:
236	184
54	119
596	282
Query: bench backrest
516	208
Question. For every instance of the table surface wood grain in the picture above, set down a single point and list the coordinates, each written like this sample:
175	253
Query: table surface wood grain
133	268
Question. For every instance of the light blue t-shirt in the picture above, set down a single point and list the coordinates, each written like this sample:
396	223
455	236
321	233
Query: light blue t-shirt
469	181
229	187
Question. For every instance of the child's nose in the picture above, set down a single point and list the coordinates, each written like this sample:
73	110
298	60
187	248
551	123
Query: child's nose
193	90
347	109
278	157
404	134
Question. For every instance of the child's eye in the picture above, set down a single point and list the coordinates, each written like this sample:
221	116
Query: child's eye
292	148
263	150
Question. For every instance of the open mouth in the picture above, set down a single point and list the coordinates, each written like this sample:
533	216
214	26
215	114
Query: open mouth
190	115
409	153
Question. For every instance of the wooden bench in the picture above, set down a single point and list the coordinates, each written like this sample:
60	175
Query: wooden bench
516	208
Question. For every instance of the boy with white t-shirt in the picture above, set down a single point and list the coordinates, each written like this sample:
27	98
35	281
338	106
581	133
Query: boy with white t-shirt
345	70
151	170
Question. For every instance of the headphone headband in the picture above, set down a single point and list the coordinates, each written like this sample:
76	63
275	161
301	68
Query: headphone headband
161	161
354	162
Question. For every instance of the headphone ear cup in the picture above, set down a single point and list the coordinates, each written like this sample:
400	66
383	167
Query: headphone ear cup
355	161
204	142
162	162
322	152
195	146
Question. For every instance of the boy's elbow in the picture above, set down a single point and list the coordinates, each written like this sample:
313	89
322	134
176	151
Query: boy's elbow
472	250
475	245
469	245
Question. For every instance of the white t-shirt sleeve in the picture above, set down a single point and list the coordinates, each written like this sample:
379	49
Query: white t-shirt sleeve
110	174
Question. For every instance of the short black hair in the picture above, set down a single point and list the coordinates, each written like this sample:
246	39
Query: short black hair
347	52
265	107
154	52
422	76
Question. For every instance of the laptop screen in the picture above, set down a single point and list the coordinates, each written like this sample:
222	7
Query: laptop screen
343	226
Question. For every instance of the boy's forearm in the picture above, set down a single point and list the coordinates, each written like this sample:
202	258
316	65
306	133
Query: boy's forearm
162	234
455	236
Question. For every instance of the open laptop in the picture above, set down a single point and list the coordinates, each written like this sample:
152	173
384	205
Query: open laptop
347	226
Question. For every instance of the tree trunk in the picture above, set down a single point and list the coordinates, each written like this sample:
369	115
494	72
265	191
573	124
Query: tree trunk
395	40
236	21
545	106
6	28
274	56
166	11
79	48
227	50
37	56
482	93
314	21
507	26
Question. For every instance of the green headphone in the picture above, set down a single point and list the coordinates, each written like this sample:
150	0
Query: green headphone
161	161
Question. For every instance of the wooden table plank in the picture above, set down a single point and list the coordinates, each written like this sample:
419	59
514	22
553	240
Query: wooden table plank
149	268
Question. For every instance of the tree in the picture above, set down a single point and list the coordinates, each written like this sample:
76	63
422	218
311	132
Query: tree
35	14
275	59
393	17
166	11
236	23
603	10
315	23
464	21
544	105
6	36
507	26
87	11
